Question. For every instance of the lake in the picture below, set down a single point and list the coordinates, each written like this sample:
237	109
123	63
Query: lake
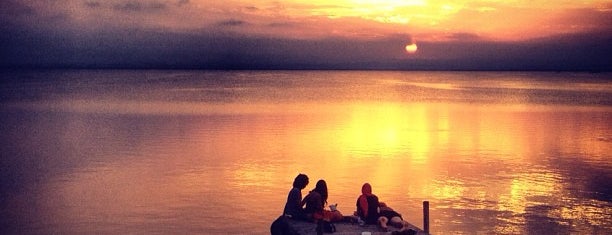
215	152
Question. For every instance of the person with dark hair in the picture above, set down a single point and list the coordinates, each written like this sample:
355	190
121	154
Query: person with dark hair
374	212
315	204
293	207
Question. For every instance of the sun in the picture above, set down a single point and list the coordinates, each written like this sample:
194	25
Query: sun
411	48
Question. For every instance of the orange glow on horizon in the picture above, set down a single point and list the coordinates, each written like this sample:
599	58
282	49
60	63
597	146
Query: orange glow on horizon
437	20
429	20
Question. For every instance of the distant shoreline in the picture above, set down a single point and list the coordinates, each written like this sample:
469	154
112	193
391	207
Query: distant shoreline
188	68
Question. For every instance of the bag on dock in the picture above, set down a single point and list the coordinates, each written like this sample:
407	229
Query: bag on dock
281	226
324	226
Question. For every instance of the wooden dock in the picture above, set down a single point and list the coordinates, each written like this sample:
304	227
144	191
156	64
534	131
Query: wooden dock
353	228
346	228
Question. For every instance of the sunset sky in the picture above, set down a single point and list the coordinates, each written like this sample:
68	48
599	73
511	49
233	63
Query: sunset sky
308	34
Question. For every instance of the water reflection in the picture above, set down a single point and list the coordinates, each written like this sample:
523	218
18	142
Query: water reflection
151	164
476	164
386	130
526	188
523	143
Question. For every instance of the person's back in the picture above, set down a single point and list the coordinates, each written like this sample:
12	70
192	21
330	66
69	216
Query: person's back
367	205
292	207
368	211
373	211
313	203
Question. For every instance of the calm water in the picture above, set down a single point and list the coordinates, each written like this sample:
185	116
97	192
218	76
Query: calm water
197	152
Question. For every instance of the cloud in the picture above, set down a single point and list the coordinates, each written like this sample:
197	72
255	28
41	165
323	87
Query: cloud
93	4
126	48
231	23
138	6
96	33
464	37
182	2
583	19
135	5
12	8
280	24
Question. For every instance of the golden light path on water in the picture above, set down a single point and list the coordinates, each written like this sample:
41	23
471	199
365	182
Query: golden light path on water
386	130
384	141
495	165
413	132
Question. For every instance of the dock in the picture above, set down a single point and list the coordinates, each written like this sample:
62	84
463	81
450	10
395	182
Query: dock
346	228
353	228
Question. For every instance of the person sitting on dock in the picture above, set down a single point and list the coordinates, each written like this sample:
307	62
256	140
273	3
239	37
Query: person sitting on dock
374	212
293	207
315	204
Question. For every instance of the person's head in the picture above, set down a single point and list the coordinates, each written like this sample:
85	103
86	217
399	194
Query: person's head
321	188
366	189
300	181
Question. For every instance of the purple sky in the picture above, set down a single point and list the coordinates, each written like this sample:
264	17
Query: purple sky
302	35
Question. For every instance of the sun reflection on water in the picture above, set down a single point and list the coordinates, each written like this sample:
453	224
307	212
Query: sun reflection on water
498	168
537	184
449	189
387	130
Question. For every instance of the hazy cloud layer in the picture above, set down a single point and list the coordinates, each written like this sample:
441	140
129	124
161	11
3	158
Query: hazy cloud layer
211	34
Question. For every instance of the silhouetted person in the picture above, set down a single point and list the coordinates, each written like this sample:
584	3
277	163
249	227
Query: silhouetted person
293	207
315	204
367	205
374	212
315	201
